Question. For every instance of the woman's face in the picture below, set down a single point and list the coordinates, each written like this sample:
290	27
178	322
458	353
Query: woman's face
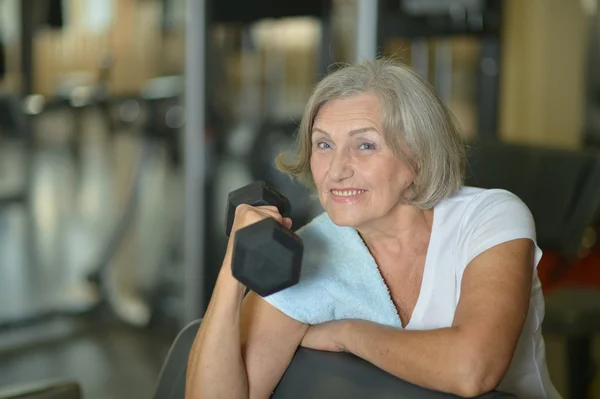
358	178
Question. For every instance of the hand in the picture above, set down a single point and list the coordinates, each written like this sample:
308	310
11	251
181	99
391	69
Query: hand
245	215
325	337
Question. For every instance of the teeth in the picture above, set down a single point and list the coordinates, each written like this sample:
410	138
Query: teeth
347	193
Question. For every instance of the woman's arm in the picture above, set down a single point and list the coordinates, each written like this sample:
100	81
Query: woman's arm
243	346
215	367
470	357
233	359
269	340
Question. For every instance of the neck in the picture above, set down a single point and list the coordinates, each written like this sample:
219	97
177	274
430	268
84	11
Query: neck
405	229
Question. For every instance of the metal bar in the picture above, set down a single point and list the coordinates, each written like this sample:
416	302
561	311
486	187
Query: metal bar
325	57
26	40
251	93
14	198
591	130
489	88
420	56
367	12
443	69
580	367
275	104
195	63
27	133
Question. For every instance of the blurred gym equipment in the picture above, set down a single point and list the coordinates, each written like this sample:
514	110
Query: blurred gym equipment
239	11
11	111
13	126
77	95
2	61
165	114
74	96
591	134
434	23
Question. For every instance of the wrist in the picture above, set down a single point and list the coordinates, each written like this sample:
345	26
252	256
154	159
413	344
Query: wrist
343	335
227	281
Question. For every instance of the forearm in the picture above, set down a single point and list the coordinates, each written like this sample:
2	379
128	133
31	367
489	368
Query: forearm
215	367
435	359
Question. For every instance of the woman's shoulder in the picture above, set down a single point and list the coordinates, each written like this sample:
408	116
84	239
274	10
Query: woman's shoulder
474	201
469	195
475	212
487	217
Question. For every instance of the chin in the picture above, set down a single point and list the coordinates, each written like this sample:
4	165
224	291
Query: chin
345	219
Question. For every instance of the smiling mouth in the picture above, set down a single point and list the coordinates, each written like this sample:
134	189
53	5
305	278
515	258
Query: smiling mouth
347	193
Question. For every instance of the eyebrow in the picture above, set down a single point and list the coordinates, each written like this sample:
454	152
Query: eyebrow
351	132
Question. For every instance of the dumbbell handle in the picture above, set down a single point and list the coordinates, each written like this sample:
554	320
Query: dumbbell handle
258	193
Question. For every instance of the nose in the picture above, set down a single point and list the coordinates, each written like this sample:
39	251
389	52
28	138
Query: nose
340	168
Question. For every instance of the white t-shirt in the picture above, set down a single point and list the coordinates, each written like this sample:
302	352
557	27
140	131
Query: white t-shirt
340	279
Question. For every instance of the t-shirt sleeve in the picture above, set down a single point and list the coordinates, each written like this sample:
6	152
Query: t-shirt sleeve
495	217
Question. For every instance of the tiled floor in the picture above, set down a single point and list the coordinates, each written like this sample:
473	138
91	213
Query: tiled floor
107	360
75	210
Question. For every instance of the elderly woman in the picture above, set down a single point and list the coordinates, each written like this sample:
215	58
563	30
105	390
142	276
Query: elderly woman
427	279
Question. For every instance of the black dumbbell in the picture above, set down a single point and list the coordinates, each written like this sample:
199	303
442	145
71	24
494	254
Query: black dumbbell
267	257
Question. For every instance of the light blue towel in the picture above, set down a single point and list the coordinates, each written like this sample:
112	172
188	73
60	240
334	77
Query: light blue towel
339	279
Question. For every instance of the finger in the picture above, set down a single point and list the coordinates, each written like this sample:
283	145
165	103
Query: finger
271	213
287	222
244	208
268	208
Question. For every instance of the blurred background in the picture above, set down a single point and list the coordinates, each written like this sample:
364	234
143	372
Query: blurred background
124	124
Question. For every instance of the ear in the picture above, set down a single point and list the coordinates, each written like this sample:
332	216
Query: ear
409	193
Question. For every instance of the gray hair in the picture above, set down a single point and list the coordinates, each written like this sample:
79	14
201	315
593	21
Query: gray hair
418	127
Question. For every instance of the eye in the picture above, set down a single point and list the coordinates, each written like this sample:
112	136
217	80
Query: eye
367	146
323	145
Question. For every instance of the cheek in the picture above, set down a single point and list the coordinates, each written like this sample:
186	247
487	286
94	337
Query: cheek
385	172
317	168
396	179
